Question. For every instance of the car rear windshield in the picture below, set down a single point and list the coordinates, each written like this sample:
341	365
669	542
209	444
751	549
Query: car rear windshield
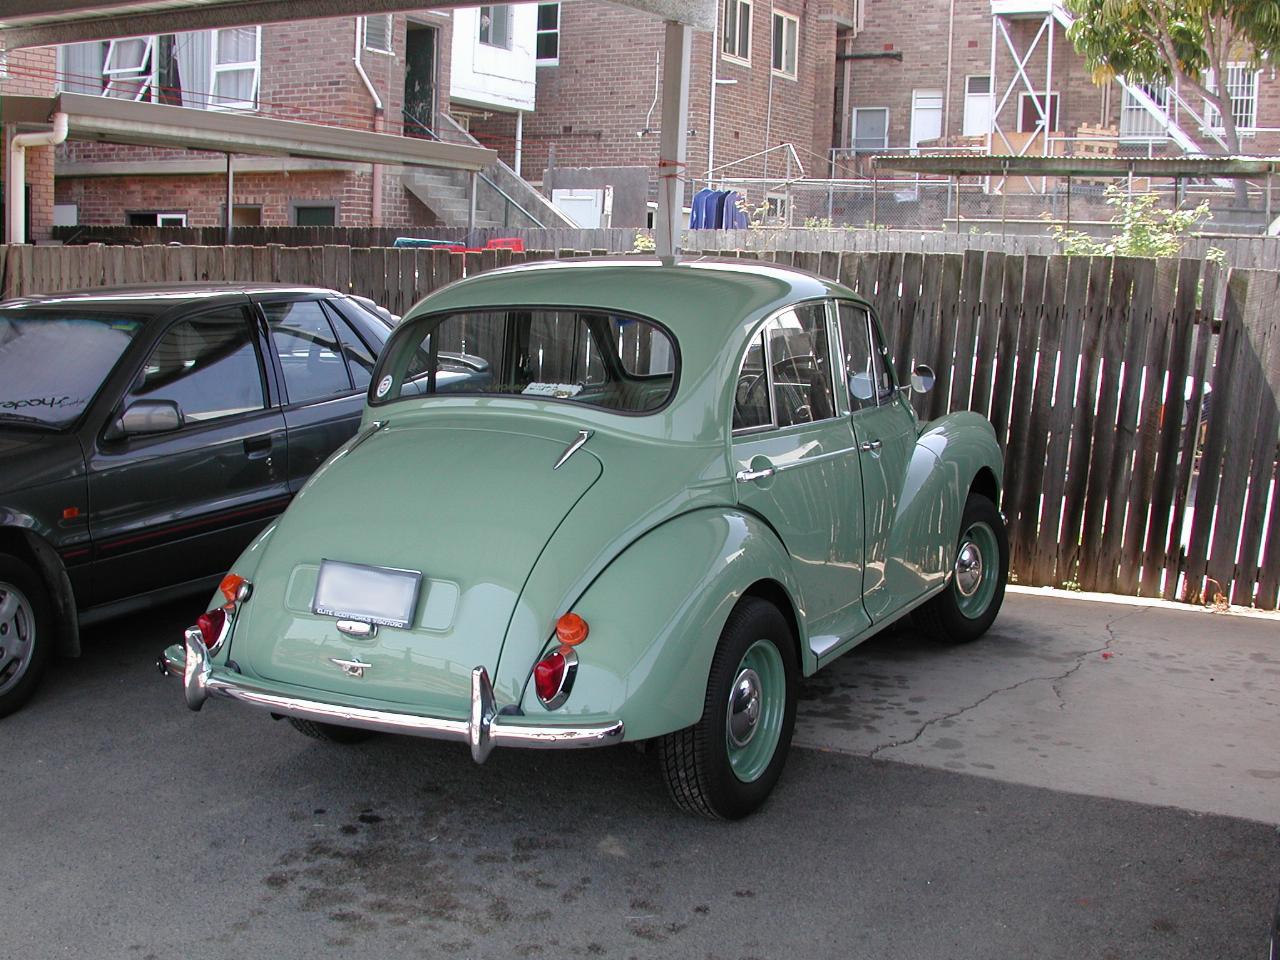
607	360
52	364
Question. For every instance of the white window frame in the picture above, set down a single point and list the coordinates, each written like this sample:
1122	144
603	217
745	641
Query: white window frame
174	218
971	99
791	29
144	73
216	68
731	47
917	96
390	34
540	33
1140	119
508	13
1052	111
853	130
1213	120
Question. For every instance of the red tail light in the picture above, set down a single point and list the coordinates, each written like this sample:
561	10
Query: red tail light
548	674
210	625
553	677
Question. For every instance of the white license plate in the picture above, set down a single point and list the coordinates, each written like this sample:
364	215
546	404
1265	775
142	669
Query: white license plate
356	591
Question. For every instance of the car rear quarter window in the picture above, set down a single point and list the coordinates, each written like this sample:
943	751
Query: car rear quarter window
207	365
312	359
360	359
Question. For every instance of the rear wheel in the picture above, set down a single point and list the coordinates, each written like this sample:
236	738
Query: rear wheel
968	606
725	765
329	732
25	632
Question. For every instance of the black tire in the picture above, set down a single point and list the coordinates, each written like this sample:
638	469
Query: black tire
945	616
329	732
695	761
26	632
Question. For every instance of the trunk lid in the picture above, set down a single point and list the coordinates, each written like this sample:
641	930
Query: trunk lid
471	509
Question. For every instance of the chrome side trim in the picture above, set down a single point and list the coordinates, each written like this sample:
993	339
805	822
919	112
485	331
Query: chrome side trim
483	729
574	447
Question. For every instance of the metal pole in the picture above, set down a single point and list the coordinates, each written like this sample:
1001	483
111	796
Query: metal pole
1004	197
229	219
1068	201
673	139
471	204
519	141
875	191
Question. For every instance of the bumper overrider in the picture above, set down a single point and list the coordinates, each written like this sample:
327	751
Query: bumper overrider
484	728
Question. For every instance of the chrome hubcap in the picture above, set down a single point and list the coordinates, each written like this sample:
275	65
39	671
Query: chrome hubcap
17	635
744	707
968	569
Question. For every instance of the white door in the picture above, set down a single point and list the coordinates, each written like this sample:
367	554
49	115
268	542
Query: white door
583	207
977	106
926	116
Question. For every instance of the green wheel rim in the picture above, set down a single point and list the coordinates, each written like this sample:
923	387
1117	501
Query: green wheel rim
753	716
977	570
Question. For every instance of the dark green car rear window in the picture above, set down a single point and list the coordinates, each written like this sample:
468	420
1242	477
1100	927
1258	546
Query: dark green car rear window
607	360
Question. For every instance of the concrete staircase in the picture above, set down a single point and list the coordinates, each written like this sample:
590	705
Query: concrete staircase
445	193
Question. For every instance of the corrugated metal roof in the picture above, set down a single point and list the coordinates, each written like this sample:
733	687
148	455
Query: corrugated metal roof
975	164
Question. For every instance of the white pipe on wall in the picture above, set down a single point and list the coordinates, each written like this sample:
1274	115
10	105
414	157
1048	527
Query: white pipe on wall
376	186
16	179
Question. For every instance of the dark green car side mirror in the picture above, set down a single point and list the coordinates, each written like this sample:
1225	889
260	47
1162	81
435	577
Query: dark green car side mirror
146	417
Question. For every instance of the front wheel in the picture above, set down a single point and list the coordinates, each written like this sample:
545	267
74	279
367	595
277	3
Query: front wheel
726	764
25	632
968	606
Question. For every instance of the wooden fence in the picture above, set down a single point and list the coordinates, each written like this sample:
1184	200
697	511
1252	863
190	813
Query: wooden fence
1093	371
1239	251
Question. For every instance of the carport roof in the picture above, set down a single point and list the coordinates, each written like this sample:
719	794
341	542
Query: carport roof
980	164
32	23
161	125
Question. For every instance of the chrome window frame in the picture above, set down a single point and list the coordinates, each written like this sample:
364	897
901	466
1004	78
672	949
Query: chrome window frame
825	303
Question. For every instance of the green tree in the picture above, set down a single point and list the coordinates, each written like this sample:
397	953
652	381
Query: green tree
1154	41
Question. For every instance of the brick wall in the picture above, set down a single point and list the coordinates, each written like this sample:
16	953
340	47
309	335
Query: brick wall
308	75
920	32
592	108
31	74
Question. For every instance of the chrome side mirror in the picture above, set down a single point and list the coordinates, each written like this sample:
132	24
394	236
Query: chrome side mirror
146	417
922	378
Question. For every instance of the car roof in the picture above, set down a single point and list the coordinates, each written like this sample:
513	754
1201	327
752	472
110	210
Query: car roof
695	298
157	297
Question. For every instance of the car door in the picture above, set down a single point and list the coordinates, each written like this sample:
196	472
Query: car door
885	429
176	507
323	402
796	464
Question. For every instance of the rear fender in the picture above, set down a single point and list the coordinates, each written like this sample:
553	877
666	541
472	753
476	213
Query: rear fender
655	616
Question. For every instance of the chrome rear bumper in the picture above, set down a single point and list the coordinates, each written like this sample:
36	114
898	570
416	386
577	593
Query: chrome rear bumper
483	729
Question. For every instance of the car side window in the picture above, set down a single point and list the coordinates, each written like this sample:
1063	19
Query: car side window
360	358
208	365
880	371
751	395
309	352
800	365
869	382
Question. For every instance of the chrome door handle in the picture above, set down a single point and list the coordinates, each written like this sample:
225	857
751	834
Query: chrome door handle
746	476
869	445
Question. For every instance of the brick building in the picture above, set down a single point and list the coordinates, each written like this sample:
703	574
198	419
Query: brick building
920	75
30	73
348	72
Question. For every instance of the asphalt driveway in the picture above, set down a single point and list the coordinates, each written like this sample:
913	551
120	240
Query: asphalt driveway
1022	797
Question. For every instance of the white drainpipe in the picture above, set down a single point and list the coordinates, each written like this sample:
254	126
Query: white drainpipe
376	213
16	180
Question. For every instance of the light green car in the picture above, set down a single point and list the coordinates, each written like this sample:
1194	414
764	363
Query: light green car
601	501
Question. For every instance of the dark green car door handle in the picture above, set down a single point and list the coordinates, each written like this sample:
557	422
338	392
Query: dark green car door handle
258	447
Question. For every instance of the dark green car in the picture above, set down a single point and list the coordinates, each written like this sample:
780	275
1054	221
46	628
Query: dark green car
147	434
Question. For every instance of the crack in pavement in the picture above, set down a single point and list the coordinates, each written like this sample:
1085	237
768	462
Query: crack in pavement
1054	681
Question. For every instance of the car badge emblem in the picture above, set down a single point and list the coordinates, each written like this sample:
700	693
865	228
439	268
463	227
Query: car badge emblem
352	668
384	386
